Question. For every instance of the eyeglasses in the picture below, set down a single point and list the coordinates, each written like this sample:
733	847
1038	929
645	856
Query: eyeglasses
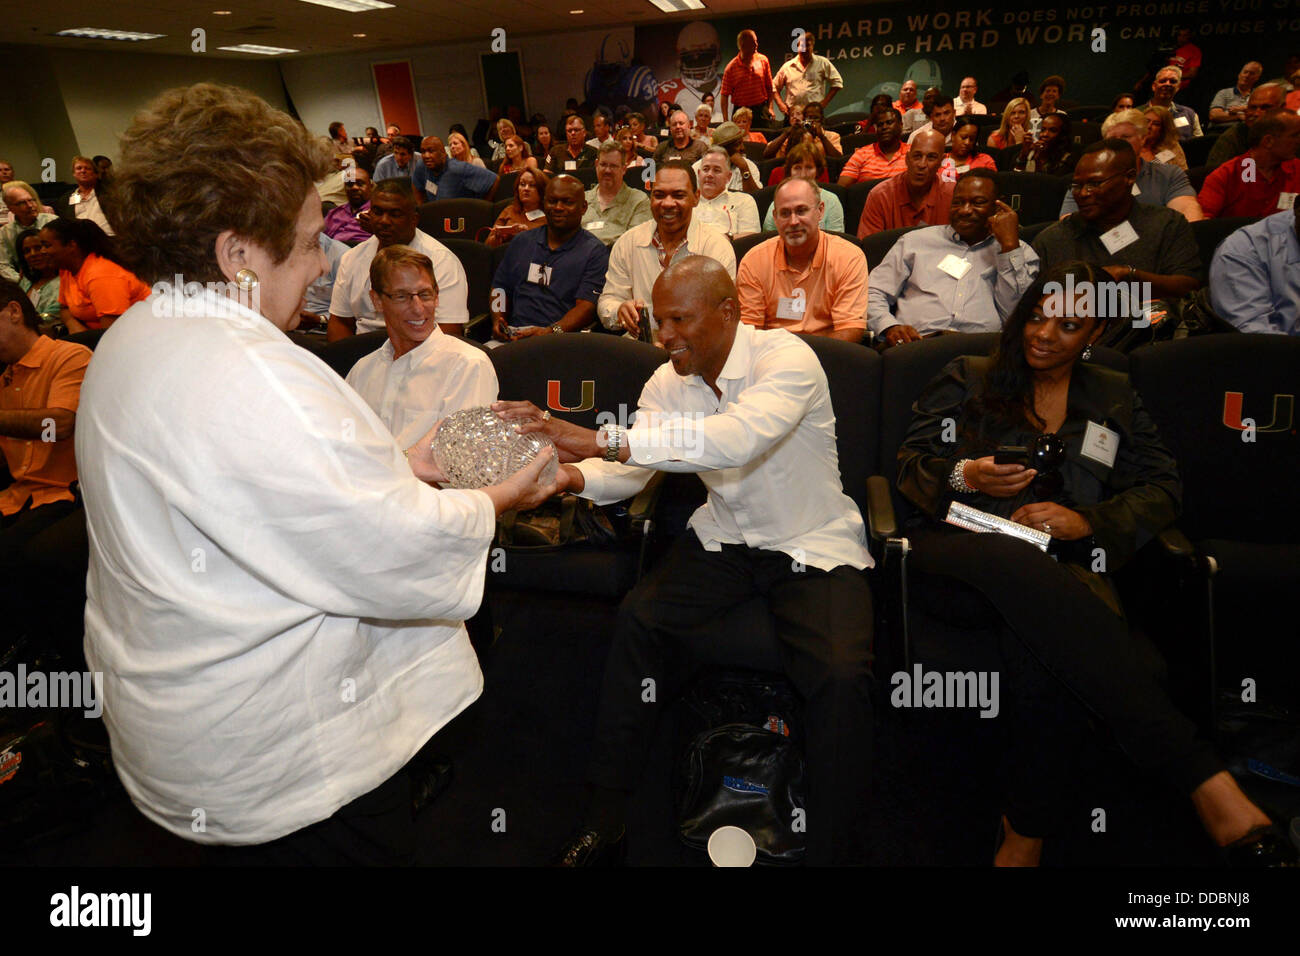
404	298
1046	458
1093	185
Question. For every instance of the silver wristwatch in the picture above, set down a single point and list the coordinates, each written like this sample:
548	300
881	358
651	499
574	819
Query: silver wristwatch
614	439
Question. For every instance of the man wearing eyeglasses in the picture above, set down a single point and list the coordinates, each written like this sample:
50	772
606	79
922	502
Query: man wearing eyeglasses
393	219
420	375
25	212
1132	241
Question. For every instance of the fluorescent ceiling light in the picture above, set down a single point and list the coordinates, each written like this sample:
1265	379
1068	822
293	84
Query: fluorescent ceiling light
96	33
675	6
353	6
254	48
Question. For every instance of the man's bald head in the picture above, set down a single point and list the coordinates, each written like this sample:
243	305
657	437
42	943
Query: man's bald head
695	304
701	277
1267	96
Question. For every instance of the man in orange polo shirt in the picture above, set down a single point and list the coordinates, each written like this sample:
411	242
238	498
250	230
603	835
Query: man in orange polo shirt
884	158
916	196
39	392
804	280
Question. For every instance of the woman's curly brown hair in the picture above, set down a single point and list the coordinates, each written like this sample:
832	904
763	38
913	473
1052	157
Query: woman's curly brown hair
203	159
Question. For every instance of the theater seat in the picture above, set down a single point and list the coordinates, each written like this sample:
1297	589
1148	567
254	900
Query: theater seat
477	259
1210	232
853	199
455	218
877	245
1197	150
1036	197
1196	175
742	245
346	352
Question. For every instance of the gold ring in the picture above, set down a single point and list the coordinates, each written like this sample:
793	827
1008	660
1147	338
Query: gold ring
546	416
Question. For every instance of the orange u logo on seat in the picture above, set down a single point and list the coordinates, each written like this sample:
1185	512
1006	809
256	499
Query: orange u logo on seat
1283	408
553	397
459	227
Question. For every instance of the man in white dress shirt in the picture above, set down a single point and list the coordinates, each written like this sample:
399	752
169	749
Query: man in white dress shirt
643	252
749	411
393	219
420	375
734	213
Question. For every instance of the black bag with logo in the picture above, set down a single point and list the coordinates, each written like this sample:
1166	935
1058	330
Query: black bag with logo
743	765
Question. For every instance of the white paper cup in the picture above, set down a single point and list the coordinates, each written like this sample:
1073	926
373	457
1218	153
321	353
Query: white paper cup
731	846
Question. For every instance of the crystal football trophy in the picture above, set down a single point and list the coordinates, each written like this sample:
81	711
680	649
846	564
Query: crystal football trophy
474	449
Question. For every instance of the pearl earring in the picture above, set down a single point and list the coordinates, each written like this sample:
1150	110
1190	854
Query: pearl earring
247	280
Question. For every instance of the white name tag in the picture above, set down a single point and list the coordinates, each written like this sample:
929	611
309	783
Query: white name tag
539	273
1135	190
663	132
534	214
74	198
965	168
570	164
1116	239
1100	444
791	307
1286	201
1165	156
431	189
954	266
1181	121
598	224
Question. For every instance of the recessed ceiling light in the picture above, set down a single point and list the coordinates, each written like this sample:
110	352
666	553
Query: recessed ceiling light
221	13
358	35
353	6
97	33
576	12
254	48
675	6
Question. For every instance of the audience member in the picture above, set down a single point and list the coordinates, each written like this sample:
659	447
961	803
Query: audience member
613	207
346	222
964	277
315	314
1187	125
94	287
6	172
965	154
400	164
915	197
700	131
1049	152
679	145
644	141
502	130
882	159
458	148
806	78
1235	140
1262	180
804	280
551	278
880	103
543	143
735	213
965	104
1018	88
907	98
760	432
747	80
915	119
744	173
1229	104
643	252
804	162
942	119
626	140
1157	184
420	375
525	212
1160	144
1186	58
441	177
1255	275
1014	128
600	126
24	213
39	274
574	153
518	157
1049	94
83	202
1124	101
393	219
1133	241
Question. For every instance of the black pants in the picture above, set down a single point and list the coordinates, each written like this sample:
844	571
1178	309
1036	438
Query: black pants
30	592
375	829
823	622
1062	648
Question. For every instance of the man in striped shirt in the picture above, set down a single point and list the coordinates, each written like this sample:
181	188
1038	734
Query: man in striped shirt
747	80
881	159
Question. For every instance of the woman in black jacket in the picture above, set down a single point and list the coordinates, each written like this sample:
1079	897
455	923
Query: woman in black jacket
1096	478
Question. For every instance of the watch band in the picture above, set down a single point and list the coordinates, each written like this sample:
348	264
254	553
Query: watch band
556	328
614	437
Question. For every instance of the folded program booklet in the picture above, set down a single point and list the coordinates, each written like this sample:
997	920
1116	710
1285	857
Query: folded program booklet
972	519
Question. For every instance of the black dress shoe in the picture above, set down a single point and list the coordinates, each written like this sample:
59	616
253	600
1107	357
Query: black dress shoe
1264	846
430	776
589	848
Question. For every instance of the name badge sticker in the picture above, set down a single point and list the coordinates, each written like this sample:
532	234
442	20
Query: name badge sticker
1119	238
954	266
1165	156
534	214
789	307
1135	190
598	224
1100	444
1181	121
1286	201
539	273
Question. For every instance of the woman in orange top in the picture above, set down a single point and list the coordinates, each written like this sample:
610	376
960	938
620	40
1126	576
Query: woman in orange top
966	153
94	289
525	212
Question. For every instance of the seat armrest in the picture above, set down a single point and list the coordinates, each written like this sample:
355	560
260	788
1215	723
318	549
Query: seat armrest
479	328
643	505
1176	544
881	521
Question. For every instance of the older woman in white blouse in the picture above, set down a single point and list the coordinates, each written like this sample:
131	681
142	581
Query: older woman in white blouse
276	591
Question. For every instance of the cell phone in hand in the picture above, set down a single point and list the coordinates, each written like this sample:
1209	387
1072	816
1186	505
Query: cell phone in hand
1011	455
643	324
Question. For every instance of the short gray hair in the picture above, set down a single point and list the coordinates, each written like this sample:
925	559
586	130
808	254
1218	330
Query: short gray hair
720	151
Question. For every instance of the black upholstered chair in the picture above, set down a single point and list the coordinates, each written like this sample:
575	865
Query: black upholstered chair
455	218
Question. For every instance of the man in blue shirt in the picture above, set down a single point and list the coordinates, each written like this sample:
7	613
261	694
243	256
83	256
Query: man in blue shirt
1255	275
441	177
550	278
400	163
